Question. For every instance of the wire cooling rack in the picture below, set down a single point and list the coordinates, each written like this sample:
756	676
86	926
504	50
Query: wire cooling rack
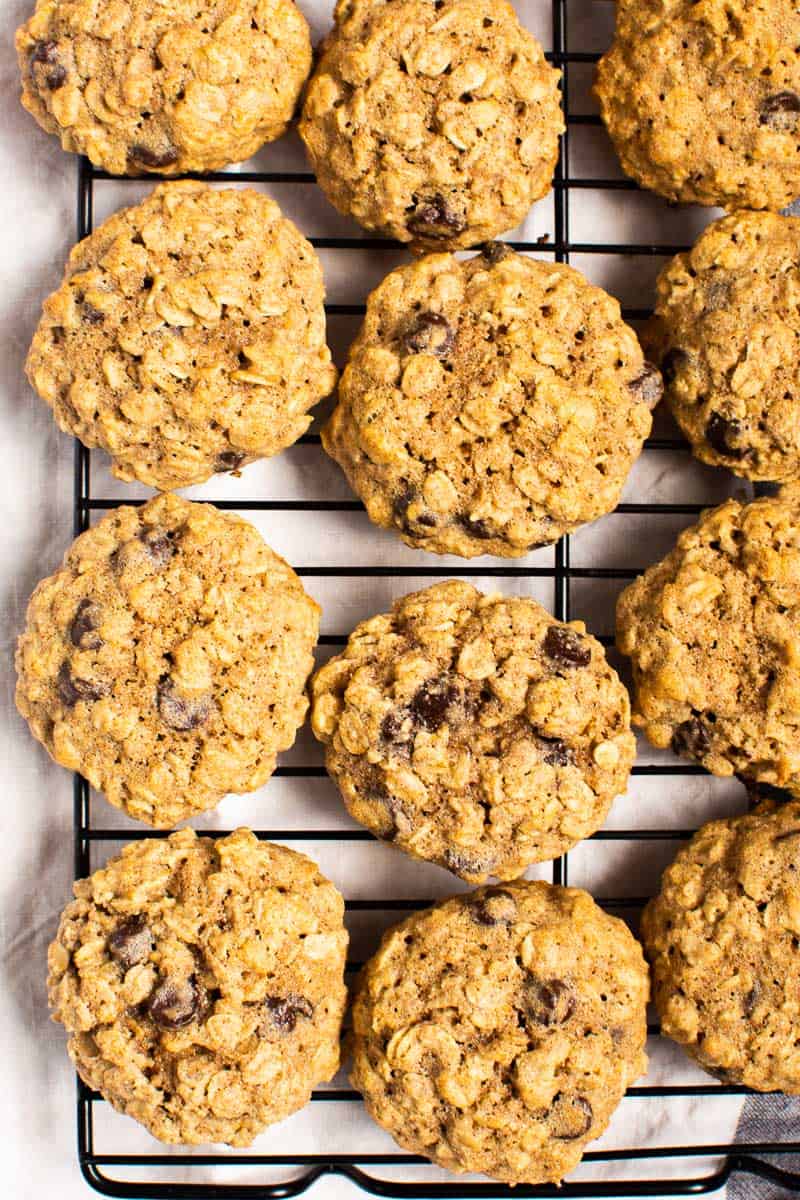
691	1164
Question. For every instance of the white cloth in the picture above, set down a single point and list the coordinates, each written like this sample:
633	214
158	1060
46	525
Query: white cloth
37	222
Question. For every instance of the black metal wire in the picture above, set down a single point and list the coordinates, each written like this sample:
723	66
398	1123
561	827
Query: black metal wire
97	1168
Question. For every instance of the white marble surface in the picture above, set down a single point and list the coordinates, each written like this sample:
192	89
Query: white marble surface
36	229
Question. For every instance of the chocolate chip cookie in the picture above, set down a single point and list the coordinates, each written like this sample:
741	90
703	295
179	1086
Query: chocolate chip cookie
188	336
435	122
725	335
713	632
489	406
702	100
140	86
166	659
498	1031
474	731
723	938
202	984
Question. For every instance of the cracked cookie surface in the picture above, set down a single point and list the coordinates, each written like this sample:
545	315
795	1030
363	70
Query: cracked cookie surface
713	634
188	336
702	100
201	983
474	731
723	937
434	122
143	86
725	334
488	406
166	659
498	1031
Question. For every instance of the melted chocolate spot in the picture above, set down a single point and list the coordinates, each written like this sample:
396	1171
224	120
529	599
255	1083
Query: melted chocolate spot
781	112
691	739
495	252
159	544
402	503
555	752
432	334
146	156
283	1012
82	631
92	315
566	647
478	529
72	689
462	863
430	703
179	712
720	434
174	1003
434	218
131	942
549	1002
648	386
751	999
230	460
572	1117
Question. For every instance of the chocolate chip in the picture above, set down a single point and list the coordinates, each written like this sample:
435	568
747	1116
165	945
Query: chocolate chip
720	432
92	315
555	752
781	111
392	727
285	1011
131	942
71	689
673	363
566	647
430	703
495	252
648	386
548	1002
478	529
572	1117
45	52
146	156
402	502
721	1073
434	217
751	999
179	712
174	1003
230	460
82	631
691	739
159	544
495	906
56	78
431	333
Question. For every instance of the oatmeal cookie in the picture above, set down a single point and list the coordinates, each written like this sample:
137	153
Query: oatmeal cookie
702	100
723	938
188	336
490	405
166	659
201	984
725	335
474	731
713	632
435	122
498	1031
143	86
